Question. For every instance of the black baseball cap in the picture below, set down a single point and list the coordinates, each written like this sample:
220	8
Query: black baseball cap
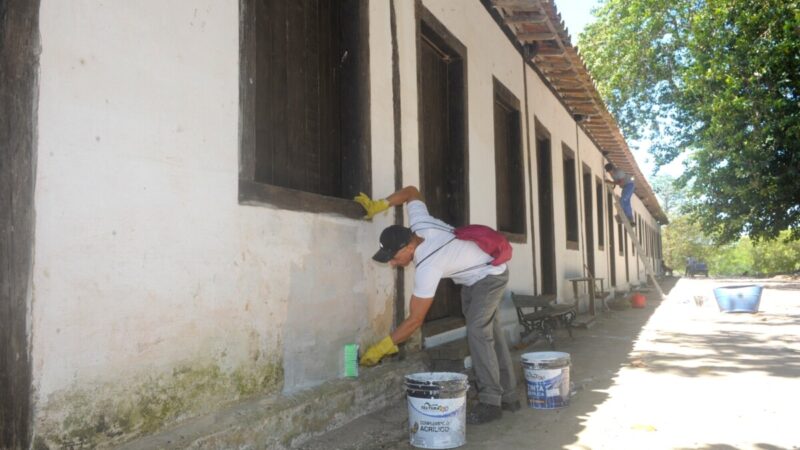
393	238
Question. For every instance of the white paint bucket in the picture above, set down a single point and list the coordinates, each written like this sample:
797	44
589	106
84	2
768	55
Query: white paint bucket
547	377
437	409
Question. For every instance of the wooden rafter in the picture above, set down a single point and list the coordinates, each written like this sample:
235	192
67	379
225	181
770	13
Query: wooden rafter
543	37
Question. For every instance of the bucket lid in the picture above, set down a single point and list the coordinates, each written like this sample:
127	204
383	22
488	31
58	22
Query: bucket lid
437	380
539	357
435	377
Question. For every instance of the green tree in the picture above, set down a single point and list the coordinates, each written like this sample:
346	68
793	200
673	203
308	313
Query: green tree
777	256
684	238
718	79
670	194
733	259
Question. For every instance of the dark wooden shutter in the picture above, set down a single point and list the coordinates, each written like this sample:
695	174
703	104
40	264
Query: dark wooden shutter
601	232
570	198
298	95
546	220
509	184
443	146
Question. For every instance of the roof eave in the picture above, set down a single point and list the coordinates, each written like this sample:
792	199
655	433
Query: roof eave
536	29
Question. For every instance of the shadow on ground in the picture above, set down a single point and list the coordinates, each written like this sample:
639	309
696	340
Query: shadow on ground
598	354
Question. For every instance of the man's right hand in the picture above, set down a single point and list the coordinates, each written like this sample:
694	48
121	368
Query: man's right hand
372	207
378	351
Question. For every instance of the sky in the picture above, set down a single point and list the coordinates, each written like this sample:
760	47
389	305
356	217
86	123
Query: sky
577	14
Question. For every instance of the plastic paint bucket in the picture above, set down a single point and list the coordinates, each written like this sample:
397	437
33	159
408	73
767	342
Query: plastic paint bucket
547	377
638	300
744	298
437	409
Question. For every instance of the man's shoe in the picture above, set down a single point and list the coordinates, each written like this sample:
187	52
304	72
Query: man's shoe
513	406
483	413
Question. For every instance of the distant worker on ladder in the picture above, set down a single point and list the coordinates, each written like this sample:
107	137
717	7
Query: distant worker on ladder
621	178
624	204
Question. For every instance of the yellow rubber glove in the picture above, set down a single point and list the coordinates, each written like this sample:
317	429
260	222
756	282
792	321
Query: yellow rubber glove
372	207
378	351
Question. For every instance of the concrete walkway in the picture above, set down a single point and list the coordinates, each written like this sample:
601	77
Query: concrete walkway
673	375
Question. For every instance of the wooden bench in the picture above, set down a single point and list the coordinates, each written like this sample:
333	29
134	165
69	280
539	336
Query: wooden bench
540	314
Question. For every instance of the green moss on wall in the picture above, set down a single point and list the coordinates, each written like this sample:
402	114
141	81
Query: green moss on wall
250	381
90	417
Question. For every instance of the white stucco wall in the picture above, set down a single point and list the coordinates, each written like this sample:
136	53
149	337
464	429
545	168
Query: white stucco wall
146	265
148	270
137	163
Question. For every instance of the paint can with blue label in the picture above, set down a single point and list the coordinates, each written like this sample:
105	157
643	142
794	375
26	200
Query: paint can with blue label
437	409
547	377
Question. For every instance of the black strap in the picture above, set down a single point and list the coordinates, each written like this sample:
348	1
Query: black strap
431	253
435	226
470	268
439	227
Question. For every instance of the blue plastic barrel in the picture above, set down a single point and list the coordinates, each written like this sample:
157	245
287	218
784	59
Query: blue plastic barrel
743	298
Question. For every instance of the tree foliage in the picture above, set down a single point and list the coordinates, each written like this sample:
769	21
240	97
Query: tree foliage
719	79
671	196
734	259
778	256
683	237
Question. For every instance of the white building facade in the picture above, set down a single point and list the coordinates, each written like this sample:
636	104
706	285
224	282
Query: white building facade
194	241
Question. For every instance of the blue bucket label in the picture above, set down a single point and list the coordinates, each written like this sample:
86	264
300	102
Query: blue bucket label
547	388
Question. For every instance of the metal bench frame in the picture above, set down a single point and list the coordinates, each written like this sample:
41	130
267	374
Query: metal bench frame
543	315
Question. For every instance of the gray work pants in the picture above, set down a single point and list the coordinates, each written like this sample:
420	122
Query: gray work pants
491	359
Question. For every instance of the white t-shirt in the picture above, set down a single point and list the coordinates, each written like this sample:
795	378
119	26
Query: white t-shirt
621	177
462	261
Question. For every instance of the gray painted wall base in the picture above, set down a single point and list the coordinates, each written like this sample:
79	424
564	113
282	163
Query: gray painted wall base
279	422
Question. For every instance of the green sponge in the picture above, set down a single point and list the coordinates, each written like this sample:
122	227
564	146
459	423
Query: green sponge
351	360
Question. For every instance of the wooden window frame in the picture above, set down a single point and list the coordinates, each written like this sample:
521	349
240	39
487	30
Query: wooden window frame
255	193
570	196
430	29
601	228
640	230
546	194
509	102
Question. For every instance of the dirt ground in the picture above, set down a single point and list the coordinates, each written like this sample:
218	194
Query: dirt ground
675	375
